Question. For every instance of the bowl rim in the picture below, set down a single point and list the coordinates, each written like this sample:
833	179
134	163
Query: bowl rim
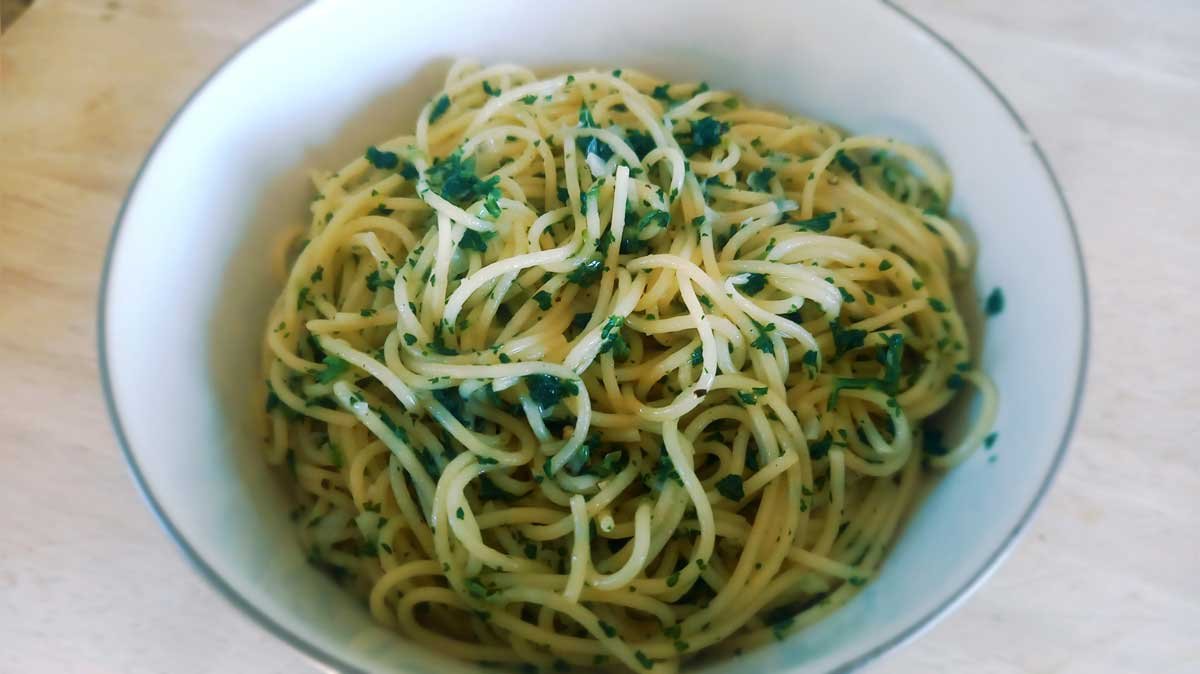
332	660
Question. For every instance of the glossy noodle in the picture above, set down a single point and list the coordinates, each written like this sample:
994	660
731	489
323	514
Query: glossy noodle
598	369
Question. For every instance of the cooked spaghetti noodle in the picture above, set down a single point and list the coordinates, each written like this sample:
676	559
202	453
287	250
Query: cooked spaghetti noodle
600	369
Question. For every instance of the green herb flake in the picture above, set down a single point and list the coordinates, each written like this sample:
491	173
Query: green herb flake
543	299
489	89
644	659
475	240
547	390
817	223
460	513
375	281
846	339
763	341
849	165
938	305
819	449
760	180
587	273
454	178
707	132
731	487
382	159
334	367
753	284
477	589
994	303
439	108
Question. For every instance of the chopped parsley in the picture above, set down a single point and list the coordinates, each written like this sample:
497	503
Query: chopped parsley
587	272
751	397
849	165
439	108
664	470
937	305
707	132
990	440
843	383
885	265
334	367
475	240
763	341
846	339
489	89
731	487
891	354
548	390
455	180
697	356
375	281
530	99
760	180
382	159
817	223
994	303
642	144
631	241
753	284
543	299
590	144
611	339
819	449
318	274
643	659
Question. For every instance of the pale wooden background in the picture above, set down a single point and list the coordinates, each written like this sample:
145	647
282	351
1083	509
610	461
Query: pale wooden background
1108	579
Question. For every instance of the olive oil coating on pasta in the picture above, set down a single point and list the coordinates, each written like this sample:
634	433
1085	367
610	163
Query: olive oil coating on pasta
601	370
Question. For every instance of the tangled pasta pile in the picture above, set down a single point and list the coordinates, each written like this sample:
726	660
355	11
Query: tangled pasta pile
598	368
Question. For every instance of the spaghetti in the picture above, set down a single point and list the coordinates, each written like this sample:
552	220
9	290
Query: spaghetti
600	369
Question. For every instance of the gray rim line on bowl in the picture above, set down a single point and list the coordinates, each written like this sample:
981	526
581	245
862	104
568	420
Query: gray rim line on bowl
330	660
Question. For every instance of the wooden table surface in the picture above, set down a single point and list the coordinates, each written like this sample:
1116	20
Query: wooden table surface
1107	579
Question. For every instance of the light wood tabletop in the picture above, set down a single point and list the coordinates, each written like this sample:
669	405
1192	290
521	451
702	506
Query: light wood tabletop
1106	580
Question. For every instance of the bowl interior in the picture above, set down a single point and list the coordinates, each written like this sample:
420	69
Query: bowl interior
188	281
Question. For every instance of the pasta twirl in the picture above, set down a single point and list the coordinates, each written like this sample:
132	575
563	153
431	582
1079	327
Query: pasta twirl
602	369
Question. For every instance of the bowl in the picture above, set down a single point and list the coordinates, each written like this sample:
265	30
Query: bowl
186	285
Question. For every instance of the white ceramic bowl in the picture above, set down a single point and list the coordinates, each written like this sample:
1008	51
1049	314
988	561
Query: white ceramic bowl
187	285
